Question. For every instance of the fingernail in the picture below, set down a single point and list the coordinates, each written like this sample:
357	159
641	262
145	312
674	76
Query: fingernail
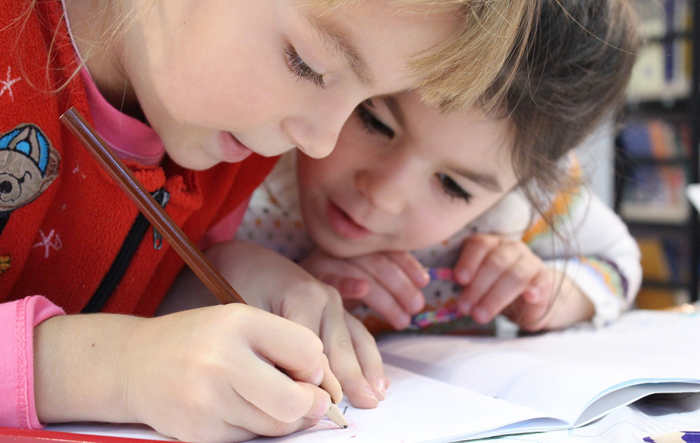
464	307
533	295
424	276
403	322
323	407
317	376
416	304
463	276
380	387
480	315
368	391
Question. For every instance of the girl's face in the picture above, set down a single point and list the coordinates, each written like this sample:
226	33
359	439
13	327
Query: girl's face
404	176
219	79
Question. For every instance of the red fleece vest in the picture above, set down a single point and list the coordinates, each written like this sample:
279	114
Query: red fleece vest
63	219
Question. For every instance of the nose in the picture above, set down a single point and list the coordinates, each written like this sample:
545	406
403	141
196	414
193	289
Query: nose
388	186
316	133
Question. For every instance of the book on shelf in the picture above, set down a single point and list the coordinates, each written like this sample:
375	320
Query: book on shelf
664	259
655	192
656	138
663	68
448	388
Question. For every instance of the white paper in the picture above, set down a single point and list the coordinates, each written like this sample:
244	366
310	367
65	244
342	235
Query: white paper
454	388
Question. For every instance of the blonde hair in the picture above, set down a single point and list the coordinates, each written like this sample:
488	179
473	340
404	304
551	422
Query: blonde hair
454	75
492	32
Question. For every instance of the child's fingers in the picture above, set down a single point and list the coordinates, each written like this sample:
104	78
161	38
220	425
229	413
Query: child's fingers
299	350
475	250
290	345
542	287
347	278
508	287
280	397
349	287
294	349
341	346
321	313
538	301
368	355
387	306
415	271
493	266
393	280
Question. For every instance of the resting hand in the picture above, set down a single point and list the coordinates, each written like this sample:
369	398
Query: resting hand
387	282
506	276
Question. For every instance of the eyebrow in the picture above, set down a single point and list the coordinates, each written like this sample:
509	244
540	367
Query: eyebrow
341	43
486	181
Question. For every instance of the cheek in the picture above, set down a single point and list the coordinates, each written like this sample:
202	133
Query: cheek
436	223
336	168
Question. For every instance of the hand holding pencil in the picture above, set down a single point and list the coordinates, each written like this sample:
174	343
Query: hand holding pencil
276	340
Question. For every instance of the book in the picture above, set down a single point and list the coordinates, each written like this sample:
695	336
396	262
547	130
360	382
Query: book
449	388
654	193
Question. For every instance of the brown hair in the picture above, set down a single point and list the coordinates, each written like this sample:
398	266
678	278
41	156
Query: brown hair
574	75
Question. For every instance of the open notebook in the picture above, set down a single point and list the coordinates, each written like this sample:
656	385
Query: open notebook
447	389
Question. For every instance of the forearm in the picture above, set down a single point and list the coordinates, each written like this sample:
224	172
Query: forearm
80	372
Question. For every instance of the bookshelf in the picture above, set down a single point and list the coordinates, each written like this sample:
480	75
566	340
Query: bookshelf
657	151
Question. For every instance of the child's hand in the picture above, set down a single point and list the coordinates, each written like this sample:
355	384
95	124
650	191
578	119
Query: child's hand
388	282
269	281
208	374
506	276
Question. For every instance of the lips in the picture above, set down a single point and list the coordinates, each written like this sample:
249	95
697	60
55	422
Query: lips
233	150
344	225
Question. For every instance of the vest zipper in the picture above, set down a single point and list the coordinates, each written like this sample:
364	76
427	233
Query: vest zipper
126	253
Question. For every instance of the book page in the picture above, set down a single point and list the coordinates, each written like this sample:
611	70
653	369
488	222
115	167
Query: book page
417	410
559	373
477	387
654	415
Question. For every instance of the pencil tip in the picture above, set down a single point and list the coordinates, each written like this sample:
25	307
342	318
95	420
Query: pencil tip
336	416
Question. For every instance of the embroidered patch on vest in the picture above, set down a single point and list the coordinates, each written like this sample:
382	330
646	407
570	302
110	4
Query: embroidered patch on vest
28	165
5	262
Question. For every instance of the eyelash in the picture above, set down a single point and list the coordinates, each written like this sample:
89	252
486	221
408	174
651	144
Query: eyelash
452	189
301	69
372	123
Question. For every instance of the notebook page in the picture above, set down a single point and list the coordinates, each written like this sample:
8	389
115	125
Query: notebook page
559	373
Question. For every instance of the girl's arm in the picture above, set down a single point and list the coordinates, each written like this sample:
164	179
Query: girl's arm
208	374
598	254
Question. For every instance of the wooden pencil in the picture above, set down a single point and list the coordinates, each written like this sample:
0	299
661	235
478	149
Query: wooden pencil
160	220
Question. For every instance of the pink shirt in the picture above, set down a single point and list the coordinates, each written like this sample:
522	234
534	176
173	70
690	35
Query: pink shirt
17	322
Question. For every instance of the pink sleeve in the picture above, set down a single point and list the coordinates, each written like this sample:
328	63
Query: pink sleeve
17	322
225	229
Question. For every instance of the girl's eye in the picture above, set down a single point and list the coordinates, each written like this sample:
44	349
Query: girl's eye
301	69
372	123
452	189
